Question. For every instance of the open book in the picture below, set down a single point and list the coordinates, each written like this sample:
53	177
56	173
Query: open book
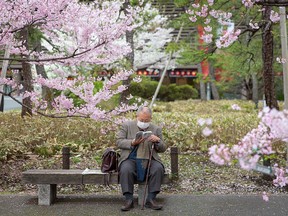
88	171
143	134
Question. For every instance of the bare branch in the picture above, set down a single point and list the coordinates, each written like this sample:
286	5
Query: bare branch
53	59
273	3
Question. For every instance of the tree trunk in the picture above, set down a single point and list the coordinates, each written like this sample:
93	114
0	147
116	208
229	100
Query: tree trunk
214	89
47	94
27	77
202	84
27	85
243	90
247	88
255	96
130	57
267	56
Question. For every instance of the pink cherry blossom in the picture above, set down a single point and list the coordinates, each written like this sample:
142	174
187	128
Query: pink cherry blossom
281	180
210	2
265	197
274	17
207	38
207	131
254	25
272	127
235	107
248	3
201	121
137	79
208	28
220	154
281	60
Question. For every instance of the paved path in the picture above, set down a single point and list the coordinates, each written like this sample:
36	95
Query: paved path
10	104
82	205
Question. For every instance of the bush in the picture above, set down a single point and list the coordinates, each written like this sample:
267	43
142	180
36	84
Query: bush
172	92
145	89
182	92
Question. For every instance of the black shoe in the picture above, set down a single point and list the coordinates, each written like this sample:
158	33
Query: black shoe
128	205
153	205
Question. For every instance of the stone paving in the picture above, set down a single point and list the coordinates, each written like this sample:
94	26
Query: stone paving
74	205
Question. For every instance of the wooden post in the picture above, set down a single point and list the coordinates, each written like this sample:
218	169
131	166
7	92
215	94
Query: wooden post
2	103
66	157
174	162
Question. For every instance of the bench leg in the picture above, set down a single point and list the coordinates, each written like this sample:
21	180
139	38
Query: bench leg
141	189
46	194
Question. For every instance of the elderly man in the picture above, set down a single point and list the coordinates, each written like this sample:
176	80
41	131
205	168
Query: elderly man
134	158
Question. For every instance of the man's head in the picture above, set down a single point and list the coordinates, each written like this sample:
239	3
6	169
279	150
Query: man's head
144	116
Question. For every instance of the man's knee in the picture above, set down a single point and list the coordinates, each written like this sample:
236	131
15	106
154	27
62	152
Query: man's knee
127	168
157	168
126	172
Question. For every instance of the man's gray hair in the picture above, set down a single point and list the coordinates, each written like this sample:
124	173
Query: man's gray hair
144	109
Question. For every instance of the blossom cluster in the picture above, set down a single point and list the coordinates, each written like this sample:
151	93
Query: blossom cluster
235	107
281	60
74	32
206	131
281	180
204	11
258	142
84	89
227	34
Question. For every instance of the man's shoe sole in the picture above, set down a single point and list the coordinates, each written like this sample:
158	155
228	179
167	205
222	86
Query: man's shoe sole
127	209
149	206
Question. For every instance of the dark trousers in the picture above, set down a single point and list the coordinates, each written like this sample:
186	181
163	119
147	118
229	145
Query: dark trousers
128	176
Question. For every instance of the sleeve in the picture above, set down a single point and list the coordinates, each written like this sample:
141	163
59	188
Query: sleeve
122	141
160	146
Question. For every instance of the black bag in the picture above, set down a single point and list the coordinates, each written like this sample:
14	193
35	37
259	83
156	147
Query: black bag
109	161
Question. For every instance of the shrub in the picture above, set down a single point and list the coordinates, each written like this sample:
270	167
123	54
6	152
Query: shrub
147	88
182	92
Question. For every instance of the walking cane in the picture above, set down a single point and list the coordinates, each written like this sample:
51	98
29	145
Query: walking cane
147	175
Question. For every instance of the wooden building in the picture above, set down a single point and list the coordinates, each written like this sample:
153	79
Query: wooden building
179	74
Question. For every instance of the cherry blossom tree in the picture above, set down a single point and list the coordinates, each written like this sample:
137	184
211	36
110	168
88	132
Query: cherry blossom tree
218	14
78	35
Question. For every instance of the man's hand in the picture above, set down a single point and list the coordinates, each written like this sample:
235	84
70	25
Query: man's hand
136	142
153	138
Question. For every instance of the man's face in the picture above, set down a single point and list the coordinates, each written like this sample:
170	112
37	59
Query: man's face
144	117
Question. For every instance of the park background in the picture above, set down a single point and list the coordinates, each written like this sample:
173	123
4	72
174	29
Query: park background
200	78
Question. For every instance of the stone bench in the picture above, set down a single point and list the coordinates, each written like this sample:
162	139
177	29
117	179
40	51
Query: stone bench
47	180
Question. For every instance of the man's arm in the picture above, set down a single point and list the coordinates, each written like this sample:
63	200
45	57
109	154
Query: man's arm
160	146
122	141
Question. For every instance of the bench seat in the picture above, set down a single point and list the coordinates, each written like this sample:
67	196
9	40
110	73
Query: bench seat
47	181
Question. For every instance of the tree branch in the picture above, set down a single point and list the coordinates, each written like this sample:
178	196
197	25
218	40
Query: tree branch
51	115
53	59
272	3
